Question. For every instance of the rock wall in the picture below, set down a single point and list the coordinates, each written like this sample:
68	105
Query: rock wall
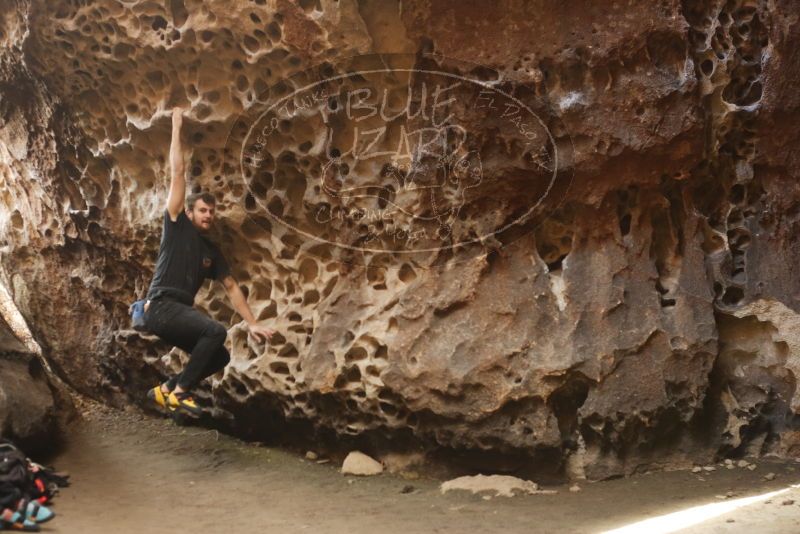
31	407
643	316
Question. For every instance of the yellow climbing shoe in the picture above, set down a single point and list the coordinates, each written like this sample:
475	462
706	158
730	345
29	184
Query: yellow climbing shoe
157	396
183	401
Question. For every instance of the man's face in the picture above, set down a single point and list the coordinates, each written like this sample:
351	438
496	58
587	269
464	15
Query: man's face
202	216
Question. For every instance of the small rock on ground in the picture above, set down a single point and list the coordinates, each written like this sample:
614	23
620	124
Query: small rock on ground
358	463
496	485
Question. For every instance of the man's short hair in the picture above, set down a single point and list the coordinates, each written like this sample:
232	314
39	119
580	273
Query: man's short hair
206	197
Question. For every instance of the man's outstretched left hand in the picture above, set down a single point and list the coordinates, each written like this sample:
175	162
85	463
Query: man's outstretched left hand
261	333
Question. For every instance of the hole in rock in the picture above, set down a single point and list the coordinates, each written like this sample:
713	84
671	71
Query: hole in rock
251	44
278	339
310	5
159	23
275	207
274	31
288	351
355	353
406	273
353	374
179	13
625	224
280	368
733	296
308	270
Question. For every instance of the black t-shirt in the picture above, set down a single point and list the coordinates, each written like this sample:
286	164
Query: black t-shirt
186	258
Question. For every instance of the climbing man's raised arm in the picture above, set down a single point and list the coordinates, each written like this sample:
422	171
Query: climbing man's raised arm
177	187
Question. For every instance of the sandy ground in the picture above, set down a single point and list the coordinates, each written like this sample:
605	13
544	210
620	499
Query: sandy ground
133	473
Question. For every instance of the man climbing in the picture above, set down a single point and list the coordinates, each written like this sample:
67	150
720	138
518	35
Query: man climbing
186	257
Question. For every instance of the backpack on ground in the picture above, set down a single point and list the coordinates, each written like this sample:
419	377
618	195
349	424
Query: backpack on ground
15	477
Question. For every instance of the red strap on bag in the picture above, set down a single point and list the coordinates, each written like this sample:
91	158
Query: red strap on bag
42	490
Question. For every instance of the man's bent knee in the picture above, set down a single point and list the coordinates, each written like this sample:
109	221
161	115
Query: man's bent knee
216	331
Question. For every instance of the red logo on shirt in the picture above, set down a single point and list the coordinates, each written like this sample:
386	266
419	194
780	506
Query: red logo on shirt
206	262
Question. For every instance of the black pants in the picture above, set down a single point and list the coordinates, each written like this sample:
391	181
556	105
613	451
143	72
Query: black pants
188	329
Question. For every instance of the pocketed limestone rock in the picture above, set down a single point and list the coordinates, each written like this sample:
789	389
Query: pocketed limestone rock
28	413
31	408
645	317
